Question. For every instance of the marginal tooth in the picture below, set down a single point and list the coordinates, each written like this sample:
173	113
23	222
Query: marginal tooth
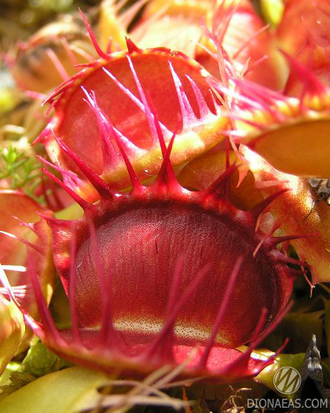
129	147
188	115
201	102
135	100
110	137
148	112
80	201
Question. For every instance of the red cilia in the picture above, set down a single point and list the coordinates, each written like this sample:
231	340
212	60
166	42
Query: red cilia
160	275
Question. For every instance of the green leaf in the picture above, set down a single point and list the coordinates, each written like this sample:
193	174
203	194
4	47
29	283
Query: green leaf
40	361
57	392
282	360
12	329
14	381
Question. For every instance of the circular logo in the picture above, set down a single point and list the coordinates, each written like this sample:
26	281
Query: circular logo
287	380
